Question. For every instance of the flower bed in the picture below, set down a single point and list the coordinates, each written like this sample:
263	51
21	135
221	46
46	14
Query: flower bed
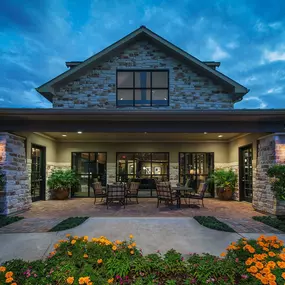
213	223
99	262
273	222
5	221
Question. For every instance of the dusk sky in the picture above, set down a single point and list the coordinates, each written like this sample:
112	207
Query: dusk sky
38	36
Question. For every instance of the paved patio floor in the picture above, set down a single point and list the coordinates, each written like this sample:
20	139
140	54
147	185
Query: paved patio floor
145	208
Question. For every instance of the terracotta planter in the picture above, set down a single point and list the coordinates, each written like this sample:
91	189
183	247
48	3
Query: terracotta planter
60	194
224	193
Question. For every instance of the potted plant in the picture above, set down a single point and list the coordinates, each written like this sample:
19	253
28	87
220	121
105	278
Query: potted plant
225	182
61	181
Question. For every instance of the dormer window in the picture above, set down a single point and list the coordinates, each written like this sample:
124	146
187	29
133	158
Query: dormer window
142	88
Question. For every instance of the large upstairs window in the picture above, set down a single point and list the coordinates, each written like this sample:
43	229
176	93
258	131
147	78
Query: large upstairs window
142	88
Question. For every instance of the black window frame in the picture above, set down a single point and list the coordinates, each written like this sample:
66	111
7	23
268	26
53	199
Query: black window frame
134	88
151	155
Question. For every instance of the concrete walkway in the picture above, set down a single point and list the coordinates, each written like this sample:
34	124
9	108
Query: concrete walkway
151	234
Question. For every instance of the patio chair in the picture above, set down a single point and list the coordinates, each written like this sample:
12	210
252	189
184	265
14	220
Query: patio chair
200	193
165	193
116	193
98	191
133	191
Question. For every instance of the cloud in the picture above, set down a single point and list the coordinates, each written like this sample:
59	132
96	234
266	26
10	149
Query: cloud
251	102
217	52
277	55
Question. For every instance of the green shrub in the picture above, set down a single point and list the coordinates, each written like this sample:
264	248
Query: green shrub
277	175
213	223
69	223
274	222
63	179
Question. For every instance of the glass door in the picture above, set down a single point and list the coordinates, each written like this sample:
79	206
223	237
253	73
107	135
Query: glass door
38	173
195	168
245	173
90	167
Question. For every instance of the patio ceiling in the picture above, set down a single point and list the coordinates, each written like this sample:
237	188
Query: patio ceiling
140	137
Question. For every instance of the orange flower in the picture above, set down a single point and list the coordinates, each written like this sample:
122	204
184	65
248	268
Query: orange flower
70	280
110	281
131	236
9	280
259	265
67	235
266	270
264	280
9	274
69	253
283	275
99	261
2	269
271	277
271	264
265	249
56	246
249	261
85	255
85	238
271	254
114	247
73	241
271	282
253	269
75	237
132	252
129	246
14	283
223	254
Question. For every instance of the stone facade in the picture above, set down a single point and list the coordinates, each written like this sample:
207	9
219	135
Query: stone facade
271	150
187	88
16	196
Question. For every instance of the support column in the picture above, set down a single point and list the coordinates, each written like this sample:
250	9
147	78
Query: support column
16	192
271	150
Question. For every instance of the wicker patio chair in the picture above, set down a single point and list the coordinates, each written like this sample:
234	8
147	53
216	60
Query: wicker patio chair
165	193
200	193
116	193
98	191
133	191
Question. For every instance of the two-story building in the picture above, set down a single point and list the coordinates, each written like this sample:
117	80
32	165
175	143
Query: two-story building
140	109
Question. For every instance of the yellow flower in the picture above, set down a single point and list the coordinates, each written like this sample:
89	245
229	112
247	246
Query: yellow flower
85	238
73	241
2	269
134	244
70	280
118	242
110	281
131	236
9	274
9	280
129	246
132	252
223	254
99	261
69	253
114	247
67	235
85	255
75	237
56	246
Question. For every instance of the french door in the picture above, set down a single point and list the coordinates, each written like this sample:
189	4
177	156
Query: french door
90	167
245	173
38	172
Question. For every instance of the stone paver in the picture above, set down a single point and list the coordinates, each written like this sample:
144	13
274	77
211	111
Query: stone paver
32	225
248	226
145	208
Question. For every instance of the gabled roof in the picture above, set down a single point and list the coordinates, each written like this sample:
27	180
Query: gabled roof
47	89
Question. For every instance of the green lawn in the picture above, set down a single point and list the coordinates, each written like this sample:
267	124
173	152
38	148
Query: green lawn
69	223
274	222
4	221
213	223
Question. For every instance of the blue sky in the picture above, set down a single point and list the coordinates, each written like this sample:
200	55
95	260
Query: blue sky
38	36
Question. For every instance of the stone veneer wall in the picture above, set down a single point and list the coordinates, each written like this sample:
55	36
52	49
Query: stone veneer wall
13	163
271	150
187	88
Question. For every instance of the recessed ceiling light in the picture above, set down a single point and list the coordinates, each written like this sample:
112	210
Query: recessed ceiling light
205	133
79	132
165	99
220	136
64	135
121	98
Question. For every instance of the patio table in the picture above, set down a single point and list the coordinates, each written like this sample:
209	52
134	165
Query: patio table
184	189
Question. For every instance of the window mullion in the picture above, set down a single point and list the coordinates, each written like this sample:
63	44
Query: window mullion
134	90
